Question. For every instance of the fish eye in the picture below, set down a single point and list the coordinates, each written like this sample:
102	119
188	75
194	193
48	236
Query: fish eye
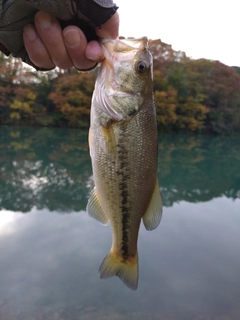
141	67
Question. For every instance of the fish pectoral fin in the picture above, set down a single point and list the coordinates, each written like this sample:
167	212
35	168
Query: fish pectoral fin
95	210
127	271
153	215
108	141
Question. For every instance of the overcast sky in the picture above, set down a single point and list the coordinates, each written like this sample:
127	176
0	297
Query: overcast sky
202	29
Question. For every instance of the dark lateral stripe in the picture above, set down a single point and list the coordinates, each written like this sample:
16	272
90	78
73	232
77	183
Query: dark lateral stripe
125	226
123	187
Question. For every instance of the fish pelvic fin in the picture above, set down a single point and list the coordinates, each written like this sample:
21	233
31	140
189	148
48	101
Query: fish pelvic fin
127	270
153	215
95	210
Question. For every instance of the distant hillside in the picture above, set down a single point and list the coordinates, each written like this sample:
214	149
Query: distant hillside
190	95
195	94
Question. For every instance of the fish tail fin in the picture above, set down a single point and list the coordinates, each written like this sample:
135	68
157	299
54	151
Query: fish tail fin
126	270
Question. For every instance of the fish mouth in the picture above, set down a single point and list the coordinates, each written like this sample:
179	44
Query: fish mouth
125	45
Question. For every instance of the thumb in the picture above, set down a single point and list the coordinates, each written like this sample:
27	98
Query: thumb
109	30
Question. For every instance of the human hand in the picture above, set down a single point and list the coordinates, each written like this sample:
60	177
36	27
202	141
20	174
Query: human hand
49	46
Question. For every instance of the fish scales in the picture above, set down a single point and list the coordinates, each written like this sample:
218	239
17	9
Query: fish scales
123	147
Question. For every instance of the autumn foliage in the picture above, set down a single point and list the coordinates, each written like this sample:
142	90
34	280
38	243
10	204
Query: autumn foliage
190	95
196	95
72	98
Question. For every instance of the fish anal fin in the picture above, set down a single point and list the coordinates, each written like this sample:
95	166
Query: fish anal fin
108	140
95	210
153	215
127	270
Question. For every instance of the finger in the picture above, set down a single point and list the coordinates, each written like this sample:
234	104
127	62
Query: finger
50	33
76	44
36	50
94	51
109	30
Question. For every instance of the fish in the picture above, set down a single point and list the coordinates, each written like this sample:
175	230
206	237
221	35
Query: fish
123	141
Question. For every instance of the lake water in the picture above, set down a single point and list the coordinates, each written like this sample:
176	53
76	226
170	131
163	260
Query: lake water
50	250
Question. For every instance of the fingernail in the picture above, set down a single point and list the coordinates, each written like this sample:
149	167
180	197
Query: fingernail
72	38
44	19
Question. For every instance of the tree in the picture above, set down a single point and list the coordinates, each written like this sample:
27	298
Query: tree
223	99
166	104
22	104
72	97
191	114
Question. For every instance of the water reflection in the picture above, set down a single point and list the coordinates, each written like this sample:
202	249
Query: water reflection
44	168
189	266
199	168
51	169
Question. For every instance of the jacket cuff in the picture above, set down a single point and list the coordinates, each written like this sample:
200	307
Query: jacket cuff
96	12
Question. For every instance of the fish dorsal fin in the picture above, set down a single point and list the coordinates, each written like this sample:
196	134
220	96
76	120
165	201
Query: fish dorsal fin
153	215
108	141
95	210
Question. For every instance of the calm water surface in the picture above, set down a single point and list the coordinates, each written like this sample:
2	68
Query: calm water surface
50	250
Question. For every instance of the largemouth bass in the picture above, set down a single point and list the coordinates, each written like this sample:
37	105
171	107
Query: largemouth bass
123	148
